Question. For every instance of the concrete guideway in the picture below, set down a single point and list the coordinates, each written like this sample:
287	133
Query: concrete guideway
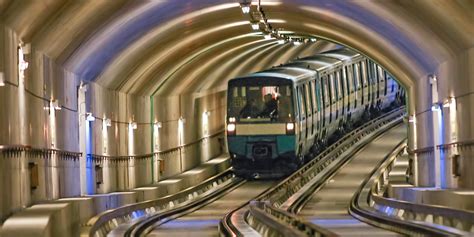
328	207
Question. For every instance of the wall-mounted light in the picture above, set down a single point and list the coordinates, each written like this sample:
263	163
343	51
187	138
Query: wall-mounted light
157	125
446	104
412	119
313	40
255	25
90	117
55	105
108	122
133	125
206	113
22	51
182	120
281	41
245	6
269	36
2	79
435	107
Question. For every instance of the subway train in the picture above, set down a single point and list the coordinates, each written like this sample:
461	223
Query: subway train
282	117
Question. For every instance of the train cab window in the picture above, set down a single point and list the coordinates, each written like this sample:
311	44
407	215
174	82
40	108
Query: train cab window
260	102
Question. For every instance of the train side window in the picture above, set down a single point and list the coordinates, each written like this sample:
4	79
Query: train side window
342	79
302	102
308	102
347	81
318	94
325	90
386	82
355	77
244	91
363	73
310	89
331	88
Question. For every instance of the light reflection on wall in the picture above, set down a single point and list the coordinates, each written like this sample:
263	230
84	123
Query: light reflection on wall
131	151
205	132
181	122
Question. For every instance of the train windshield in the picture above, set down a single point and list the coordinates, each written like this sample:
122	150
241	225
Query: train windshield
253	103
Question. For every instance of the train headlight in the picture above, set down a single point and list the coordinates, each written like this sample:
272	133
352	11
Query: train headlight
231	129
290	128
232	119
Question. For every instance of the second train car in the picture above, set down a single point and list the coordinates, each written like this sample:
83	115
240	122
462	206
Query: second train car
279	118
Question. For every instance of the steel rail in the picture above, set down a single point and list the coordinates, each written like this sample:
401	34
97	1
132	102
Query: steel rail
103	223
144	227
367	203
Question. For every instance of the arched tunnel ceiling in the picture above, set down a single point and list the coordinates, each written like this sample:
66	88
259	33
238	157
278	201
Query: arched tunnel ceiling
166	47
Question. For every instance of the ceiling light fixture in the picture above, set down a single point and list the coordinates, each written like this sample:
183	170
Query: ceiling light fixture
245	6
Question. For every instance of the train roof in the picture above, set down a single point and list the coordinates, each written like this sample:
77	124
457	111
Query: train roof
343	54
305	68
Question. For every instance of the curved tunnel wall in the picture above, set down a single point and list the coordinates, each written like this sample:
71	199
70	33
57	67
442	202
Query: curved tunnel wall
182	55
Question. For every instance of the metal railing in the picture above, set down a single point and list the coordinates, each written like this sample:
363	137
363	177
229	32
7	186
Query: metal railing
370	205
103	223
273	211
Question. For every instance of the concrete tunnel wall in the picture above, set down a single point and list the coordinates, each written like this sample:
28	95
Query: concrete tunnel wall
411	40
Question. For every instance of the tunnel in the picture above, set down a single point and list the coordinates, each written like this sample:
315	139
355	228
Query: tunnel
99	97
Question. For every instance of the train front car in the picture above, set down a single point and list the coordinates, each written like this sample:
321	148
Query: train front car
261	126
